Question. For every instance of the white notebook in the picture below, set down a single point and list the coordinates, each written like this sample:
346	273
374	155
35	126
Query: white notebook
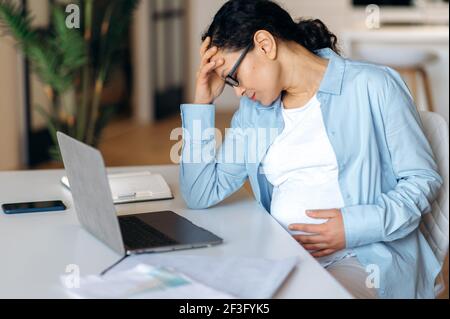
135	187
237	276
141	282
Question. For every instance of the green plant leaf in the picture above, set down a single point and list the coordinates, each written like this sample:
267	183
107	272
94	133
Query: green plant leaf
51	125
59	55
17	22
55	153
69	43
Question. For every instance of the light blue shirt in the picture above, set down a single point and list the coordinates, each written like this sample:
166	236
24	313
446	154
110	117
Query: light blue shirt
388	174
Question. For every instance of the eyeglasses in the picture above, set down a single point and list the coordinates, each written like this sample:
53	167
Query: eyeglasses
230	79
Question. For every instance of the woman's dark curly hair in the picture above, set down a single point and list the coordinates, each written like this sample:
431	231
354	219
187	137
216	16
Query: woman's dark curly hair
237	22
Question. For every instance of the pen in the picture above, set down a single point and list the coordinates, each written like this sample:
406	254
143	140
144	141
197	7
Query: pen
132	195
138	194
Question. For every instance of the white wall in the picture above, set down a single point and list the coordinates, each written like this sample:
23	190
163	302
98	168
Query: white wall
143	90
11	103
41	17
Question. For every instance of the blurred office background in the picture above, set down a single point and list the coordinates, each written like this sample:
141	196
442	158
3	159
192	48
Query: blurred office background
160	59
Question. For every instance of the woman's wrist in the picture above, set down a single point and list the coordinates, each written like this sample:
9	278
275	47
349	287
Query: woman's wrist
202	102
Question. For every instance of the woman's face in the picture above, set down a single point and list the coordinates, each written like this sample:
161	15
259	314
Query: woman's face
258	74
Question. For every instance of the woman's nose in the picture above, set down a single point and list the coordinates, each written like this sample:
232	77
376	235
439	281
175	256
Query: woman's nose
239	91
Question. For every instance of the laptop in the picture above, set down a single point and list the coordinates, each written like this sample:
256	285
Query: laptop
127	235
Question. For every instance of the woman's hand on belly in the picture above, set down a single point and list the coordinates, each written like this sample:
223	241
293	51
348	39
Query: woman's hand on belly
324	239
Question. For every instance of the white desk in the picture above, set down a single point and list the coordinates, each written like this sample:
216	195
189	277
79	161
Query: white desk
36	249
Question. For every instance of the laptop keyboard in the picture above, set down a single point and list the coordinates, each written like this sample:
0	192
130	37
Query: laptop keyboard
138	234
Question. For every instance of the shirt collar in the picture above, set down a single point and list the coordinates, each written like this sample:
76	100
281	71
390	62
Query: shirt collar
332	82
334	77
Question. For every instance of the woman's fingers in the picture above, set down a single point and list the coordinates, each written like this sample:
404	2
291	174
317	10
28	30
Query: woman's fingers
313	239
315	247
206	65
208	68
204	46
211	66
322	214
308	228
323	253
209	84
208	55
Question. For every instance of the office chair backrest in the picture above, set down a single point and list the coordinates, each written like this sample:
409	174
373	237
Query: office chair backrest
435	226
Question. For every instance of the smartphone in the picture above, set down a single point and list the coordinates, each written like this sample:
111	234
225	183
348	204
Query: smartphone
33	207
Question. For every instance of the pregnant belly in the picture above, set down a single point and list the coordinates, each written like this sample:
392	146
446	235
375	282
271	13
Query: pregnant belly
290	202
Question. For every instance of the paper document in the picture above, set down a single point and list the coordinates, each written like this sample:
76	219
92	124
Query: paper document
142	282
135	187
246	278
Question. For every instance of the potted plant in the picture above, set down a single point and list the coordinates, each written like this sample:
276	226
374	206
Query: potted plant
72	63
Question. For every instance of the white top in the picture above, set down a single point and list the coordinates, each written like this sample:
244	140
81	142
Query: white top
302	167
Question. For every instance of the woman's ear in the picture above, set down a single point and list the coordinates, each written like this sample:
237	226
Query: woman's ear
266	44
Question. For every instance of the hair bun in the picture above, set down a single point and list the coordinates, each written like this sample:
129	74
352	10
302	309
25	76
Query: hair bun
237	21
314	35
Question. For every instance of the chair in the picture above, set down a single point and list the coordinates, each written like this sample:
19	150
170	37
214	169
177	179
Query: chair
413	72
409	61
435	226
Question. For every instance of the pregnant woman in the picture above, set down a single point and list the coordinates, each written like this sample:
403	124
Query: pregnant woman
333	148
